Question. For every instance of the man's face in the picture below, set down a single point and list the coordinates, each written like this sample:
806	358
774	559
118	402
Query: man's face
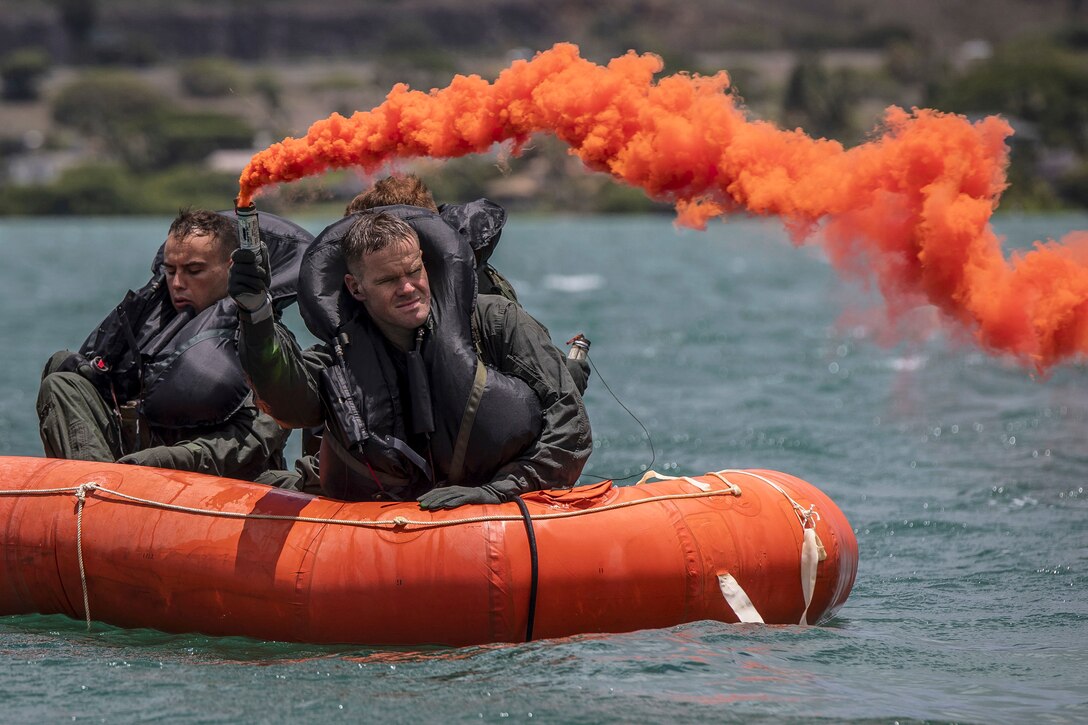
392	285
196	271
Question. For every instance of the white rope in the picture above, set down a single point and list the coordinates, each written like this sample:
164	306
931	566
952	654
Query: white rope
397	521
40	491
81	500
805	516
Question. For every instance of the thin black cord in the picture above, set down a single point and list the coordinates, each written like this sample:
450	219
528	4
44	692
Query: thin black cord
649	439
534	563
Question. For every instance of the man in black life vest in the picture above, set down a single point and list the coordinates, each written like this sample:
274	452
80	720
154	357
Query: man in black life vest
481	221
158	382
391	382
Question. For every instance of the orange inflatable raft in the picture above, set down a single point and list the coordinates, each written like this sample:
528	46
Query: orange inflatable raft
184	552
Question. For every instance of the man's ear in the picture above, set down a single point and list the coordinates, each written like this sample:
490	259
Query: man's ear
354	288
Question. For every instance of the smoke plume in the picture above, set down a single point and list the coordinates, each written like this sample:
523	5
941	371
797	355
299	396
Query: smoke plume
910	209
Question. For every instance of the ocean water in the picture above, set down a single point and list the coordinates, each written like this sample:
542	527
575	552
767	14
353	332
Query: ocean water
962	473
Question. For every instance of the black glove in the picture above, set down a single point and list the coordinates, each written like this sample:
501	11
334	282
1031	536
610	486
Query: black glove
95	371
451	497
250	278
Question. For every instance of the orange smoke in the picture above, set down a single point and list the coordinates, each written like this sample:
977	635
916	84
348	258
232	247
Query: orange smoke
911	208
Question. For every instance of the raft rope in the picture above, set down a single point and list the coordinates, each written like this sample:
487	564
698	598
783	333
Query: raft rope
534	566
81	501
82	490
395	522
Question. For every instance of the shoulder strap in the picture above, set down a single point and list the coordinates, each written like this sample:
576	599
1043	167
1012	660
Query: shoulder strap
457	463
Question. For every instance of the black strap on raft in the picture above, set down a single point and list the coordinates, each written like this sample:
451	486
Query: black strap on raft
535	564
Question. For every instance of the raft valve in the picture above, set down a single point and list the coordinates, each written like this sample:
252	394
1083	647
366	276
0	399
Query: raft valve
249	231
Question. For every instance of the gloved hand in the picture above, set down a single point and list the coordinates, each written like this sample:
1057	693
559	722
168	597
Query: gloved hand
180	458
96	371
451	497
250	278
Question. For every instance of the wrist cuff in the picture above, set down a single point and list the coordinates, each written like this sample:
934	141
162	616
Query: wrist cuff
499	496
260	314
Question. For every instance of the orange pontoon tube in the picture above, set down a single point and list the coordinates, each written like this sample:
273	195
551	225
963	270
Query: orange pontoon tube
185	552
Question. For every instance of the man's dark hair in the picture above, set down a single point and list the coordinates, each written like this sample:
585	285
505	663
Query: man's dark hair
191	221
372	233
406	189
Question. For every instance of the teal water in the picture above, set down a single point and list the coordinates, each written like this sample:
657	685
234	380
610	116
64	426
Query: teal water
963	475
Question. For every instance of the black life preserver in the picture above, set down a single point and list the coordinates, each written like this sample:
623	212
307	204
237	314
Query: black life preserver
481	222
184	368
362	399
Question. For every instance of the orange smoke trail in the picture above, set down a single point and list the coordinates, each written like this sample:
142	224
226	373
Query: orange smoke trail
911	208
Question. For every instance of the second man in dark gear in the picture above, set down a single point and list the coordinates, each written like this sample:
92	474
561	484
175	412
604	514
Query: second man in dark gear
158	383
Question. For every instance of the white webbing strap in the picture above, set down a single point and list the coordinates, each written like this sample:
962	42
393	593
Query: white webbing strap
810	557
812	549
738	600
652	474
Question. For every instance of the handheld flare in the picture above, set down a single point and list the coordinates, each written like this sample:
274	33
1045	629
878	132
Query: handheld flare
254	301
249	230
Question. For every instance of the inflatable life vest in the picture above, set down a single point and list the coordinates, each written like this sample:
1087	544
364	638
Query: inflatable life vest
183	367
365	412
481	222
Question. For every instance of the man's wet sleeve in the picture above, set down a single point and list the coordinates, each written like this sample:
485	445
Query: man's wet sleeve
285	380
